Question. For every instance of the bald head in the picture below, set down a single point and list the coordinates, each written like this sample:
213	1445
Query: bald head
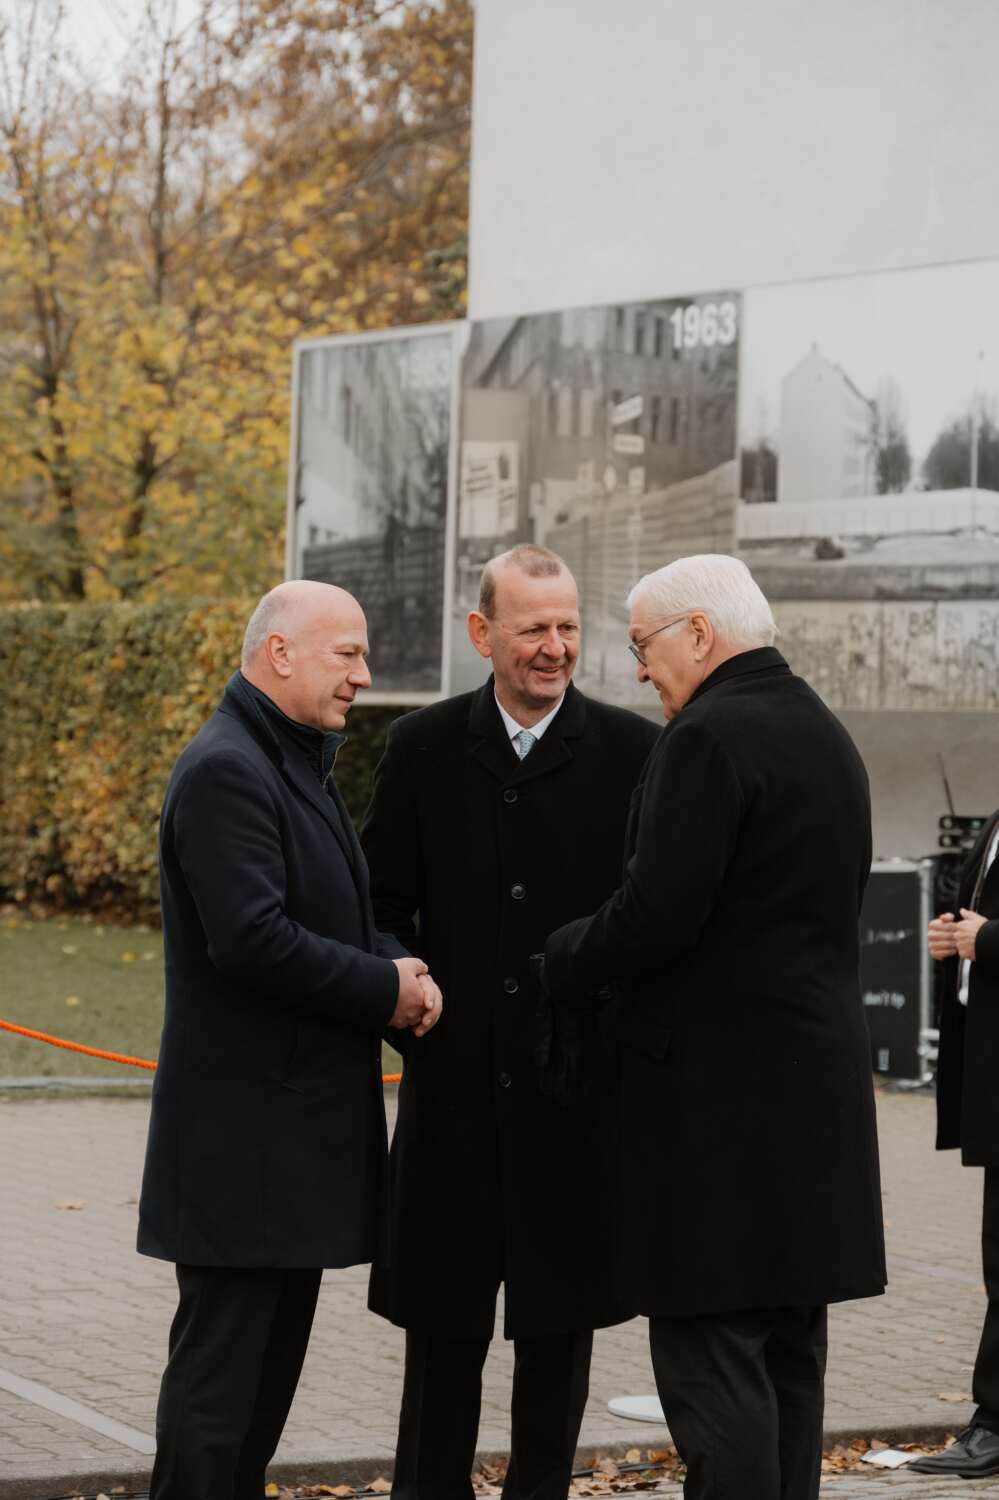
286	608
305	646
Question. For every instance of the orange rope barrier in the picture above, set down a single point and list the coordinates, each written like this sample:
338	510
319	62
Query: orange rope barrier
118	1057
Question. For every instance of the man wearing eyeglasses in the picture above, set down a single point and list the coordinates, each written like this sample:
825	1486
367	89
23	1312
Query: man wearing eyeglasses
747	1101
495	816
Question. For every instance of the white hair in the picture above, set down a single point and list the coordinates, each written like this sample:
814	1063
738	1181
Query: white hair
718	586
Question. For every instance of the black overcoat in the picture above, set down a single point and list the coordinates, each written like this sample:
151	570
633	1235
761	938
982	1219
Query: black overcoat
267	1142
493	1177
968	1064
750	1159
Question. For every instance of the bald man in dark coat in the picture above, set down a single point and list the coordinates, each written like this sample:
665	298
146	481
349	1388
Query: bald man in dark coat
267	1153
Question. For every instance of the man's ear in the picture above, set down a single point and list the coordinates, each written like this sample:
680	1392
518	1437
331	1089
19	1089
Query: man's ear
478	633
704	635
277	653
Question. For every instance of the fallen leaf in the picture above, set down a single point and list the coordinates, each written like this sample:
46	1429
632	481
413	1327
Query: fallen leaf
271	1489
954	1396
70	948
129	958
380	1486
72	1203
72	999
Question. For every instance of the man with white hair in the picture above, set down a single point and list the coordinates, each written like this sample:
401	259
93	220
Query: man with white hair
748	1127
267	1157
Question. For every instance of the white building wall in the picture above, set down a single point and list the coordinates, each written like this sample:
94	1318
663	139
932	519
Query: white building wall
825	438
651	147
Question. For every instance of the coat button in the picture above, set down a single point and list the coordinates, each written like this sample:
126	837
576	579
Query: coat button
518	891
509	795
504	1080
510	985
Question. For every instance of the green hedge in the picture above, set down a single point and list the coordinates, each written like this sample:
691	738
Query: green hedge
96	702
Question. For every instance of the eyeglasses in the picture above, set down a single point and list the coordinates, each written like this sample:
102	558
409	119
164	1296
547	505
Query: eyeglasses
635	646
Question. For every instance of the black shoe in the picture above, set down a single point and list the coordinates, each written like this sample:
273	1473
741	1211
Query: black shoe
971	1456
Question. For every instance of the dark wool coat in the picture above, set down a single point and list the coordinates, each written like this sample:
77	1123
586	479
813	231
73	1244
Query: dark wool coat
267	1143
750	1154
495	1178
967	1092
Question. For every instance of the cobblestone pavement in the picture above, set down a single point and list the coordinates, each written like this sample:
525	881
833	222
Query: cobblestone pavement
84	1320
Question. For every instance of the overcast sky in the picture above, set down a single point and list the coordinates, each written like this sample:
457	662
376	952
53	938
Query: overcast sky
97	31
922	329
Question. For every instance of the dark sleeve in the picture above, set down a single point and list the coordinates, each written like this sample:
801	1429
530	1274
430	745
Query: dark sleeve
389	946
227	840
688	824
987	947
390	837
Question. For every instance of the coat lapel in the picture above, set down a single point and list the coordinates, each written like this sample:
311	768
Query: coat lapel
306	784
490	745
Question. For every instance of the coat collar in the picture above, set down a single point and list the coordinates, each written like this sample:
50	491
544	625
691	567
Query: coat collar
290	757
744	664
490	744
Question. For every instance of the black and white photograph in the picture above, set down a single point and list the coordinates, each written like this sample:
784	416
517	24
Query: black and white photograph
369	492
608	434
869	481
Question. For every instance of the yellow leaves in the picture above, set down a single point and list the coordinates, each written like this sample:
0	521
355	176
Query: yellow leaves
72	1000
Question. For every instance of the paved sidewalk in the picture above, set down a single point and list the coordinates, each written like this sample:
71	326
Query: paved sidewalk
84	1320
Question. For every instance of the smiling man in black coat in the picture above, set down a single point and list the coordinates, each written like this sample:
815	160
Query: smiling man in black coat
496	815
267	1154
748	1112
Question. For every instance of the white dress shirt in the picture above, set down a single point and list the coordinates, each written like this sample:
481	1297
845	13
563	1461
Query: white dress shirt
962	989
538	729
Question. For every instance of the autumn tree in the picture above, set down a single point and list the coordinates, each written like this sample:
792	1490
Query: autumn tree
261	173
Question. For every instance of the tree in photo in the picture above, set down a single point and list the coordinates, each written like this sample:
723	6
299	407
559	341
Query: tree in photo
966	453
893	460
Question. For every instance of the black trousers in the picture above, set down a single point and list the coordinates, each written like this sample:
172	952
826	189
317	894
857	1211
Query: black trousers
439	1420
985	1384
743	1397
236	1349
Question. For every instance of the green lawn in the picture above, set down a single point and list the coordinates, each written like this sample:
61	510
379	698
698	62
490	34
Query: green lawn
87	982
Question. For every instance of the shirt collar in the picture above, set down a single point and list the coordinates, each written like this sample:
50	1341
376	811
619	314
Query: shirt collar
513	728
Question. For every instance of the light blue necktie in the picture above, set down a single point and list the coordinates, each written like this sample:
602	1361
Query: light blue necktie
524	741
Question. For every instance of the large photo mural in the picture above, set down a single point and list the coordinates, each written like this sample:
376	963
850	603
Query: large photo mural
841	435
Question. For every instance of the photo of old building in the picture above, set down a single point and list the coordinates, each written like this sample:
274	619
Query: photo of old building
869	497
608	434
370	491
